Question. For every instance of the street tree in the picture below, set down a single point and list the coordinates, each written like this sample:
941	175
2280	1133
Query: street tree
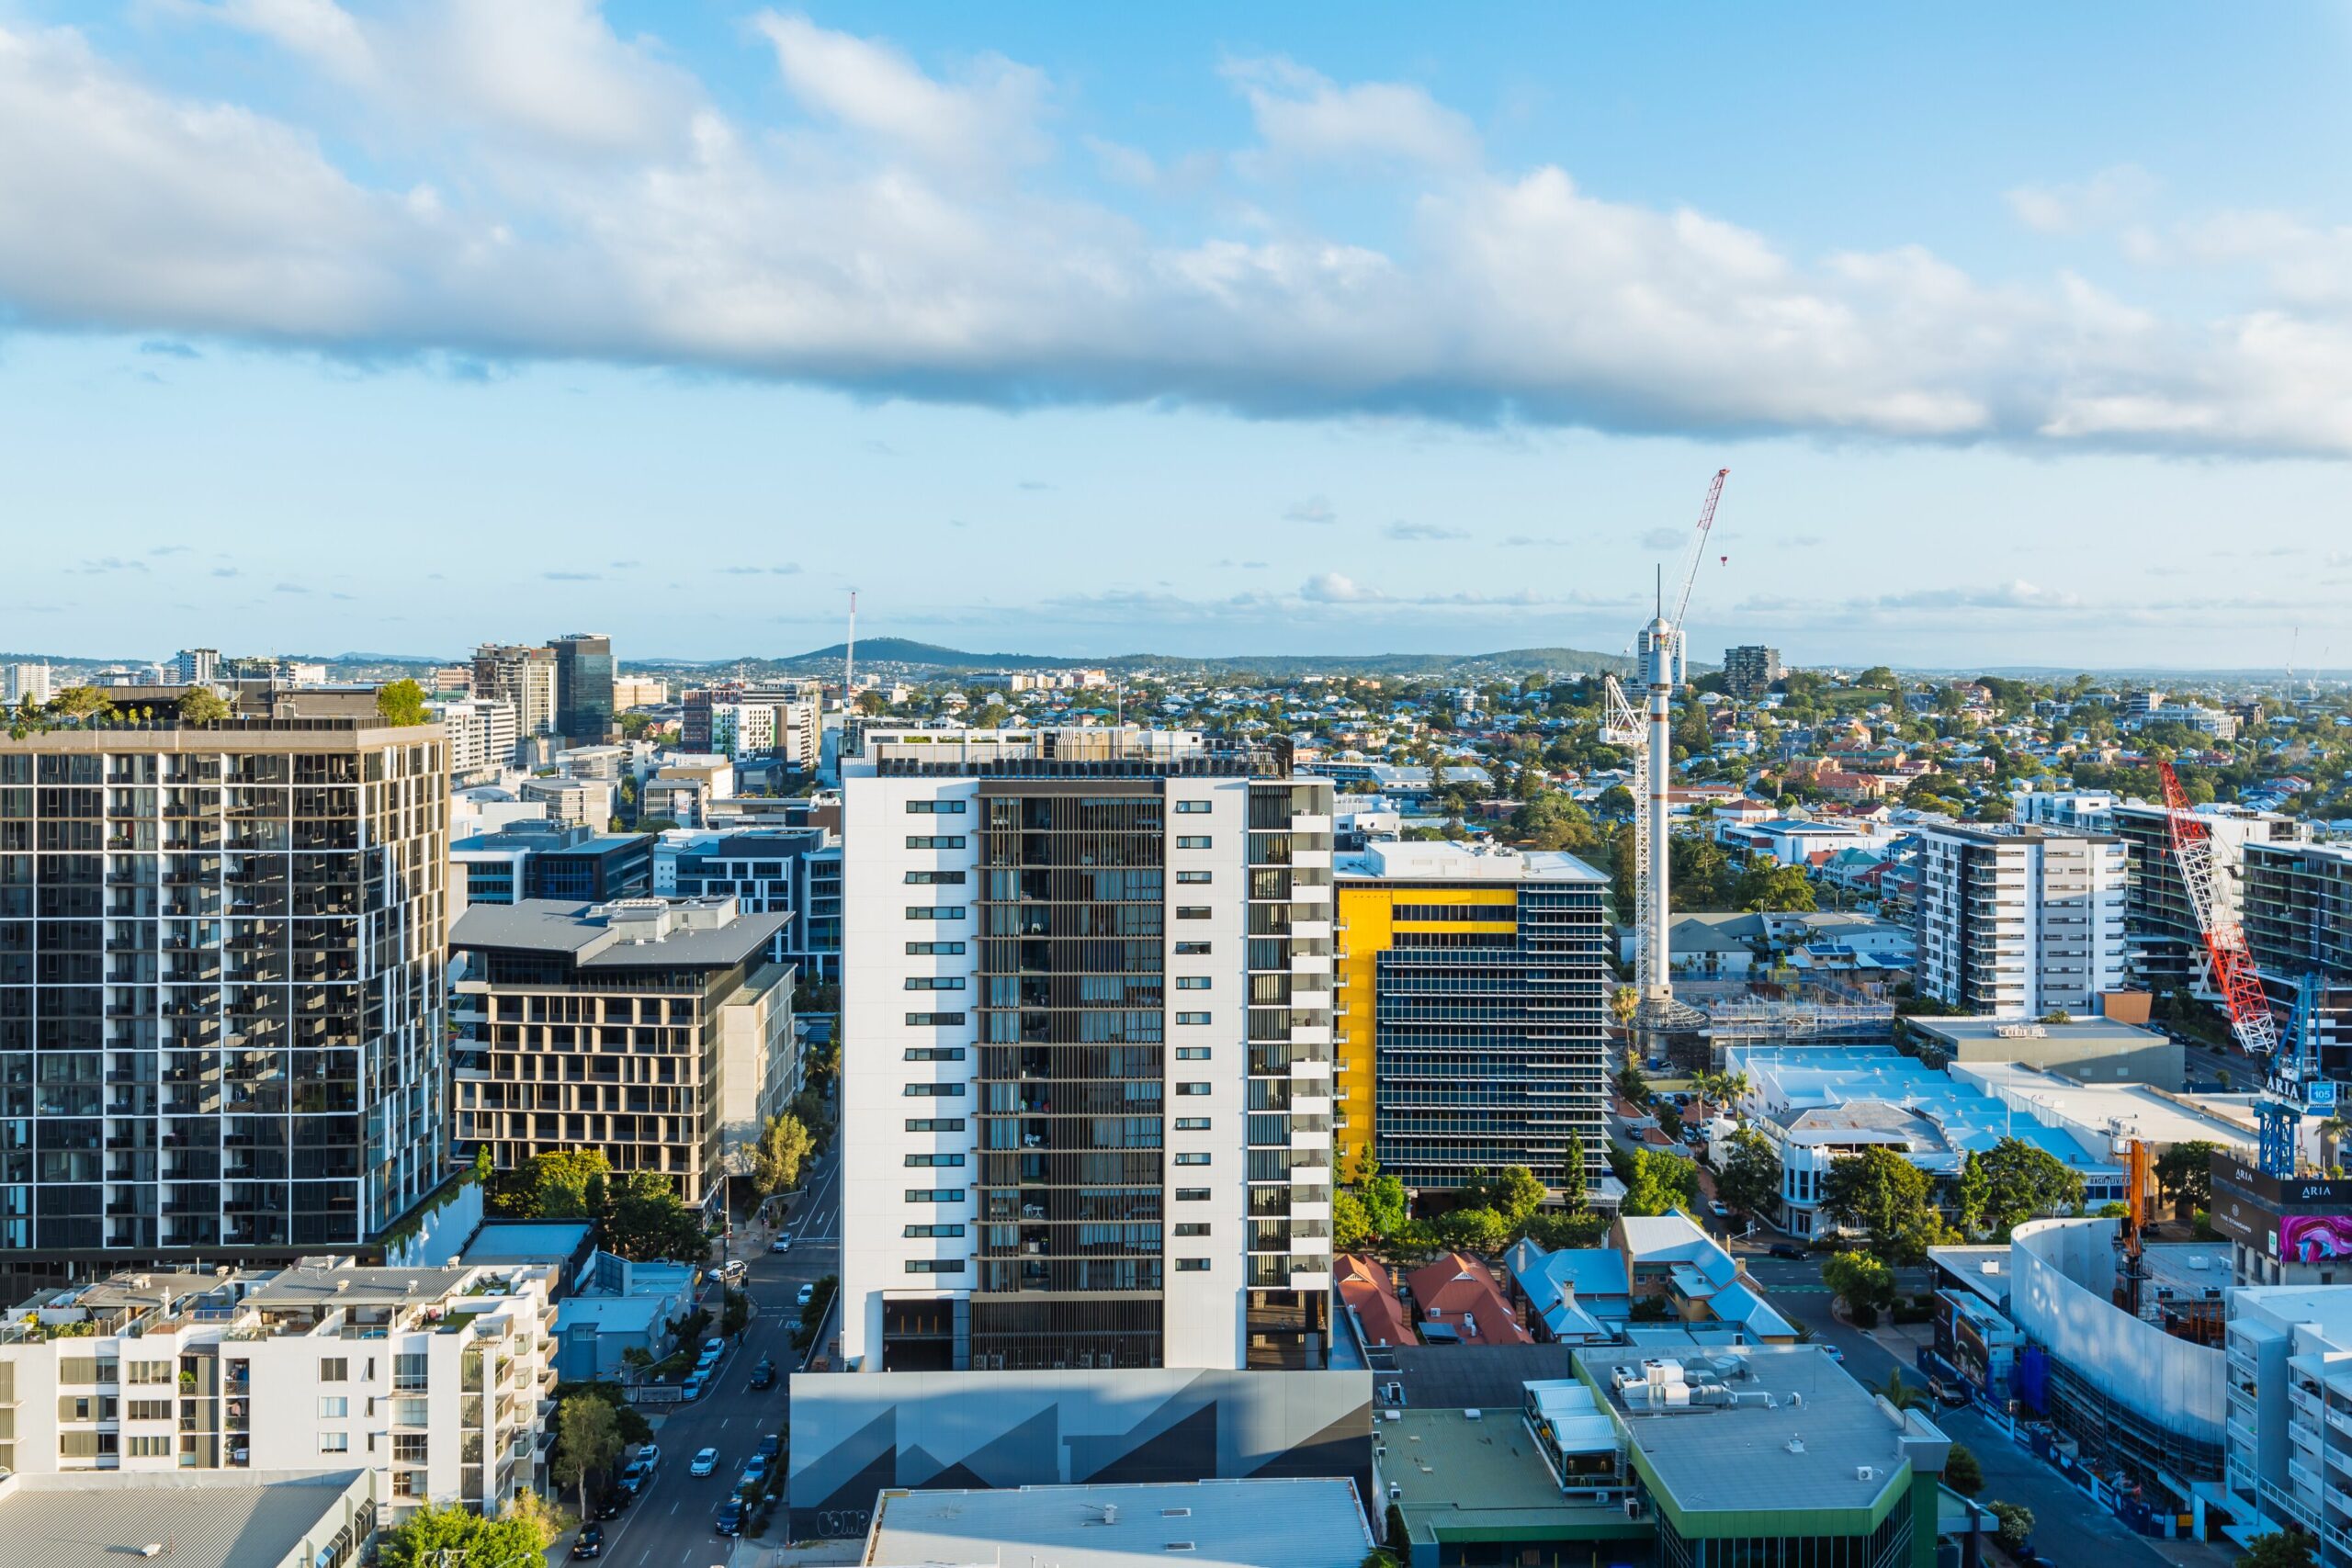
1750	1179
587	1442
2020	1181
1860	1281
650	1221
782	1149
1888	1200
1513	1193
2278	1549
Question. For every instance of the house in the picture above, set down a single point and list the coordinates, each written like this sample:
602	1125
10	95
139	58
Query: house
1670	1259
1458	1300
1381	1318
1575	1295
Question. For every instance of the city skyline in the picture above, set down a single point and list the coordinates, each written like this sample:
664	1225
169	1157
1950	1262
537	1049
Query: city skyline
1233	336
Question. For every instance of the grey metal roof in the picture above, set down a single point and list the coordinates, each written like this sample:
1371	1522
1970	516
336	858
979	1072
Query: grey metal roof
561	925
355	1287
102	1520
1314	1522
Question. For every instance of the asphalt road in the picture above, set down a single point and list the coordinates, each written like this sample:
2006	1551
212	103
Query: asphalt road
671	1525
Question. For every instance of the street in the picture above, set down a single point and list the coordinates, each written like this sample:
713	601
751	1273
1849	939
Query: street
669	1526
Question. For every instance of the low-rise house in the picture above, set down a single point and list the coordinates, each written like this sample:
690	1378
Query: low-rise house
1362	1284
1456	1299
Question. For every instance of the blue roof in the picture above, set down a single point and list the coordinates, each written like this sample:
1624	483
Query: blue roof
1578	1292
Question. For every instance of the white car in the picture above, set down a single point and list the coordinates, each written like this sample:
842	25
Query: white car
705	1462
807	1293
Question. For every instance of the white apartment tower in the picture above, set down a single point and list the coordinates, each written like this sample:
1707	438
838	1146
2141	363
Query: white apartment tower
1086	1111
2020	923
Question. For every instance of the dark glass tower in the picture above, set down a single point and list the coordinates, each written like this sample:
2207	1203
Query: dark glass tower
584	687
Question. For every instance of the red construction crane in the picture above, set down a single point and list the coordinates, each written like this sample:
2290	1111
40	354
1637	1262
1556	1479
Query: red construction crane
2225	946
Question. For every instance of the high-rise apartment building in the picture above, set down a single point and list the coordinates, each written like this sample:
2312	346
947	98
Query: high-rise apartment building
19	681
2020	923
2168	950
1473	1013
195	667
584	687
784	720
482	735
2296	904
221	990
1087	1115
1751	670
625	1027
522	678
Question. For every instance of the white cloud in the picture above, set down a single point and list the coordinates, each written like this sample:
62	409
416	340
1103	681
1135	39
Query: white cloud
1313	509
2109	198
601	208
1331	588
1421	532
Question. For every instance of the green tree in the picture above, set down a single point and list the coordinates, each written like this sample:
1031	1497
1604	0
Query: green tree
1474	1230
1661	1183
650	1221
434	1537
1767	885
1888	1200
1385	1207
1963	1473
872	702
202	704
2021	1181
783	1147
1558	1232
1751	1174
2017	1524
2186	1171
83	705
1513	1193
1553	822
2273	1548
1699	872
402	705
734	1313
563	1184
1860	1281
1350	1225
587	1441
1400	1537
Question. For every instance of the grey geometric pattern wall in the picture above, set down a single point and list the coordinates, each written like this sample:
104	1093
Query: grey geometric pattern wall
855	1433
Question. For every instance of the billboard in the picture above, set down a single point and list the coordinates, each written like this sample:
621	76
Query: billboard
2296	1219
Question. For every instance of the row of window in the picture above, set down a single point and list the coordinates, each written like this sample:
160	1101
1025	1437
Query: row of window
935	912
936	878
935	1194
935	808
934	949
934	982
934	840
933	1020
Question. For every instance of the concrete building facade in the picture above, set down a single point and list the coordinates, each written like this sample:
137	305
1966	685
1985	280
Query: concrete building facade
2020	923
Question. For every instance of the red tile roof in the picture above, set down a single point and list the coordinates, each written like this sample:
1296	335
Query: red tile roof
1364	1285
1458	1286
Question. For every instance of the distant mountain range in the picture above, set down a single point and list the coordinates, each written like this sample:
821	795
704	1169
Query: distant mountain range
913	656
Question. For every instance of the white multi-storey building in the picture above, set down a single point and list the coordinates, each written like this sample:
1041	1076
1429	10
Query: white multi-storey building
19	681
2020	923
481	734
440	1380
1087	1119
2288	1393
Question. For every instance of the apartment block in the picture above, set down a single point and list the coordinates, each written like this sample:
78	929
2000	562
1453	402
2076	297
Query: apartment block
481	735
540	858
1751	670
439	1380
1473	1013
773	871
2295	900
2019	922
783	720
195	667
23	683
2168	952
618	1027
222	972
1086	1112
522	678
2288	1395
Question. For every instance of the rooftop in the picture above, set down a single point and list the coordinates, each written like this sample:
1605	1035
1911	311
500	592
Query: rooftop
1316	1522
2092	1111
104	1518
1484	1479
630	933
527	1241
1439	861
1956	1031
1465	1377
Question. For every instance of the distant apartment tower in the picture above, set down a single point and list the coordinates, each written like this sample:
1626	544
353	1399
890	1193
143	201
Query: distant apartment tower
19	682
1473	1014
736	721
546	859
222	956
1751	670
584	687
637	692
195	667
522	678
482	735
1087	1115
2018	923
2168	950
625	1027
2297	907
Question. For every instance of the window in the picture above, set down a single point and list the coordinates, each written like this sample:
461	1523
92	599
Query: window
412	1413
407	1483
73	1371
935	1194
1192	1123
935	878
334	1369
934	840
155	1447
1192	1266
935	1090
410	1372
335	1407
934	1124
1193	1053
334	1442
77	1408
933	1162
934	808
922	1231
932	949
934	982
1183	1088
1192	911
935	1053
1196	1158
148	1410
1192	1018
1191	949
412	1447
1191	876
1192	808
1192	1194
1192	1227
934	1266
1192	982
934	1019
935	912
148	1372
1192	840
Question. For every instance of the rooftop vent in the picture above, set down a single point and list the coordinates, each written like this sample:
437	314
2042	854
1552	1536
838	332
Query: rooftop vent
1794	1444
1175	1513
1865	1472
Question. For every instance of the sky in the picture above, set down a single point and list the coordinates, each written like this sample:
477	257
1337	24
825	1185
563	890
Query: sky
2025	332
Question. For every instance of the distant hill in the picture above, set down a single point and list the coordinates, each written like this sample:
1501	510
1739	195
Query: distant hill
910	654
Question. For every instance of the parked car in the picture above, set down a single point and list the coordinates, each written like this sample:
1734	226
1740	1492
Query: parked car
705	1462
1788	1249
806	1295
763	1375
589	1542
731	1516
1947	1393
1832	1351
713	1347
692	1388
754	1468
781	1244
1718	1208
612	1501
771	1446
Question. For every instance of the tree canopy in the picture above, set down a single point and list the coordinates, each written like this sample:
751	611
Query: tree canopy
2186	1170
1512	1192
437	1535
401	704
588	1442
650	1221
1767	885
1660	1182
783	1147
563	1184
2012	1183
202	704
1888	1200
1751	1173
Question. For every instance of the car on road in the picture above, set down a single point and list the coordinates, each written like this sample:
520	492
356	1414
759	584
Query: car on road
781	1244
1834	1353
692	1388
733	1269
806	1295
589	1542
1786	1249
705	1462
611	1503
754	1468
731	1516
763	1376
1718	1208
1947	1393
771	1446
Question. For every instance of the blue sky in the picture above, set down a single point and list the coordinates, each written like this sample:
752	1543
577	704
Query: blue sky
2026	331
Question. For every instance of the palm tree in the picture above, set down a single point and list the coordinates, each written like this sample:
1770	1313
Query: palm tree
1897	1393
2331	1141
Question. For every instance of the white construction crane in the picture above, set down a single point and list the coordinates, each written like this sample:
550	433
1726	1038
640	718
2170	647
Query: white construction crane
1663	657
